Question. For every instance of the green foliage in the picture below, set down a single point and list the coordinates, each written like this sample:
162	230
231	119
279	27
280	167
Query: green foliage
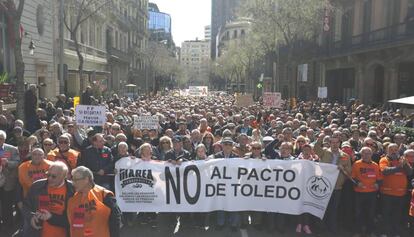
4	77
282	22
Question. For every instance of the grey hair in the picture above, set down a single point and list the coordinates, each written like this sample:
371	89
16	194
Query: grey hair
3	134
408	151
84	172
61	166
123	144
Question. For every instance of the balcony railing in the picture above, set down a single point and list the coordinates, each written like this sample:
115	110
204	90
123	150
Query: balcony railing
385	37
86	49
118	54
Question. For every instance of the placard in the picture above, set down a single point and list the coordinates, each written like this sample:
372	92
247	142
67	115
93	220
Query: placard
76	101
244	100
272	99
89	115
146	122
322	92
198	91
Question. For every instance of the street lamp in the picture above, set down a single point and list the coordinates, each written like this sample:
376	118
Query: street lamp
31	47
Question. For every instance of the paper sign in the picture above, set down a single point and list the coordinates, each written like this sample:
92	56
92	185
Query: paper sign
146	122
244	100
322	92
76	101
198	91
89	115
272	99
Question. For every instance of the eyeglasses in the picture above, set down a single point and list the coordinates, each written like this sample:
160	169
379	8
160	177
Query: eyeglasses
53	176
77	179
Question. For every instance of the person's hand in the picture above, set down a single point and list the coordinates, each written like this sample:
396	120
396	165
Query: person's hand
20	205
115	171
44	215
264	158
101	172
179	162
376	186
361	185
34	223
246	157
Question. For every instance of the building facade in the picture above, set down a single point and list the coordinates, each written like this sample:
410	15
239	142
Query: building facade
222	11
159	25
37	25
207	32
233	33
369	52
195	58
110	41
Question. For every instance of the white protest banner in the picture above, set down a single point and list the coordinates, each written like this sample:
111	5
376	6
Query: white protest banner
198	91
146	122
291	187
272	99
322	92
244	100
89	115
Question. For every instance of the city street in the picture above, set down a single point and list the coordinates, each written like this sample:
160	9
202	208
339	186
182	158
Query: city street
163	230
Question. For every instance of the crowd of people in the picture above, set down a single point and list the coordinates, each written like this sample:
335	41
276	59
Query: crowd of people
59	177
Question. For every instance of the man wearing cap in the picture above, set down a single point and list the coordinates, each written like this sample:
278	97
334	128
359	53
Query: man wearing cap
177	154
232	217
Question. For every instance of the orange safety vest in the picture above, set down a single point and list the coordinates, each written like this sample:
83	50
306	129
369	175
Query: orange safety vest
393	184
56	205
87	214
29	173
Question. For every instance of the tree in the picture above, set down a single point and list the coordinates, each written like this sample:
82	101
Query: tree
161	63
80	11
14	12
239	60
284	23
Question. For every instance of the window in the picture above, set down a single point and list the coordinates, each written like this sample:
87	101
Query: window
235	34
92	41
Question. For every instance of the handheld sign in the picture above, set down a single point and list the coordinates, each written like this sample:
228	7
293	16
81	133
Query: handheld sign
272	99
244	100
146	122
322	92
89	115
76	101
198	91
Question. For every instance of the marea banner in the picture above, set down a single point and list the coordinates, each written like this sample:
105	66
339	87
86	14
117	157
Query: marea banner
291	187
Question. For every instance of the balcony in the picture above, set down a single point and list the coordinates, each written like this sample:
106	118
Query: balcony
85	49
382	38
118	55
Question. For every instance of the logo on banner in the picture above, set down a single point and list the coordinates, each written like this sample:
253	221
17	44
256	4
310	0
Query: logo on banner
319	187
136	177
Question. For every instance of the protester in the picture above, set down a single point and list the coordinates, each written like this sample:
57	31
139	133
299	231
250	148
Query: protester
64	153
9	158
92	211
395	170
367	179
46	204
98	158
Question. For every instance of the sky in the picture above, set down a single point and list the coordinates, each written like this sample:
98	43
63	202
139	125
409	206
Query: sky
188	17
